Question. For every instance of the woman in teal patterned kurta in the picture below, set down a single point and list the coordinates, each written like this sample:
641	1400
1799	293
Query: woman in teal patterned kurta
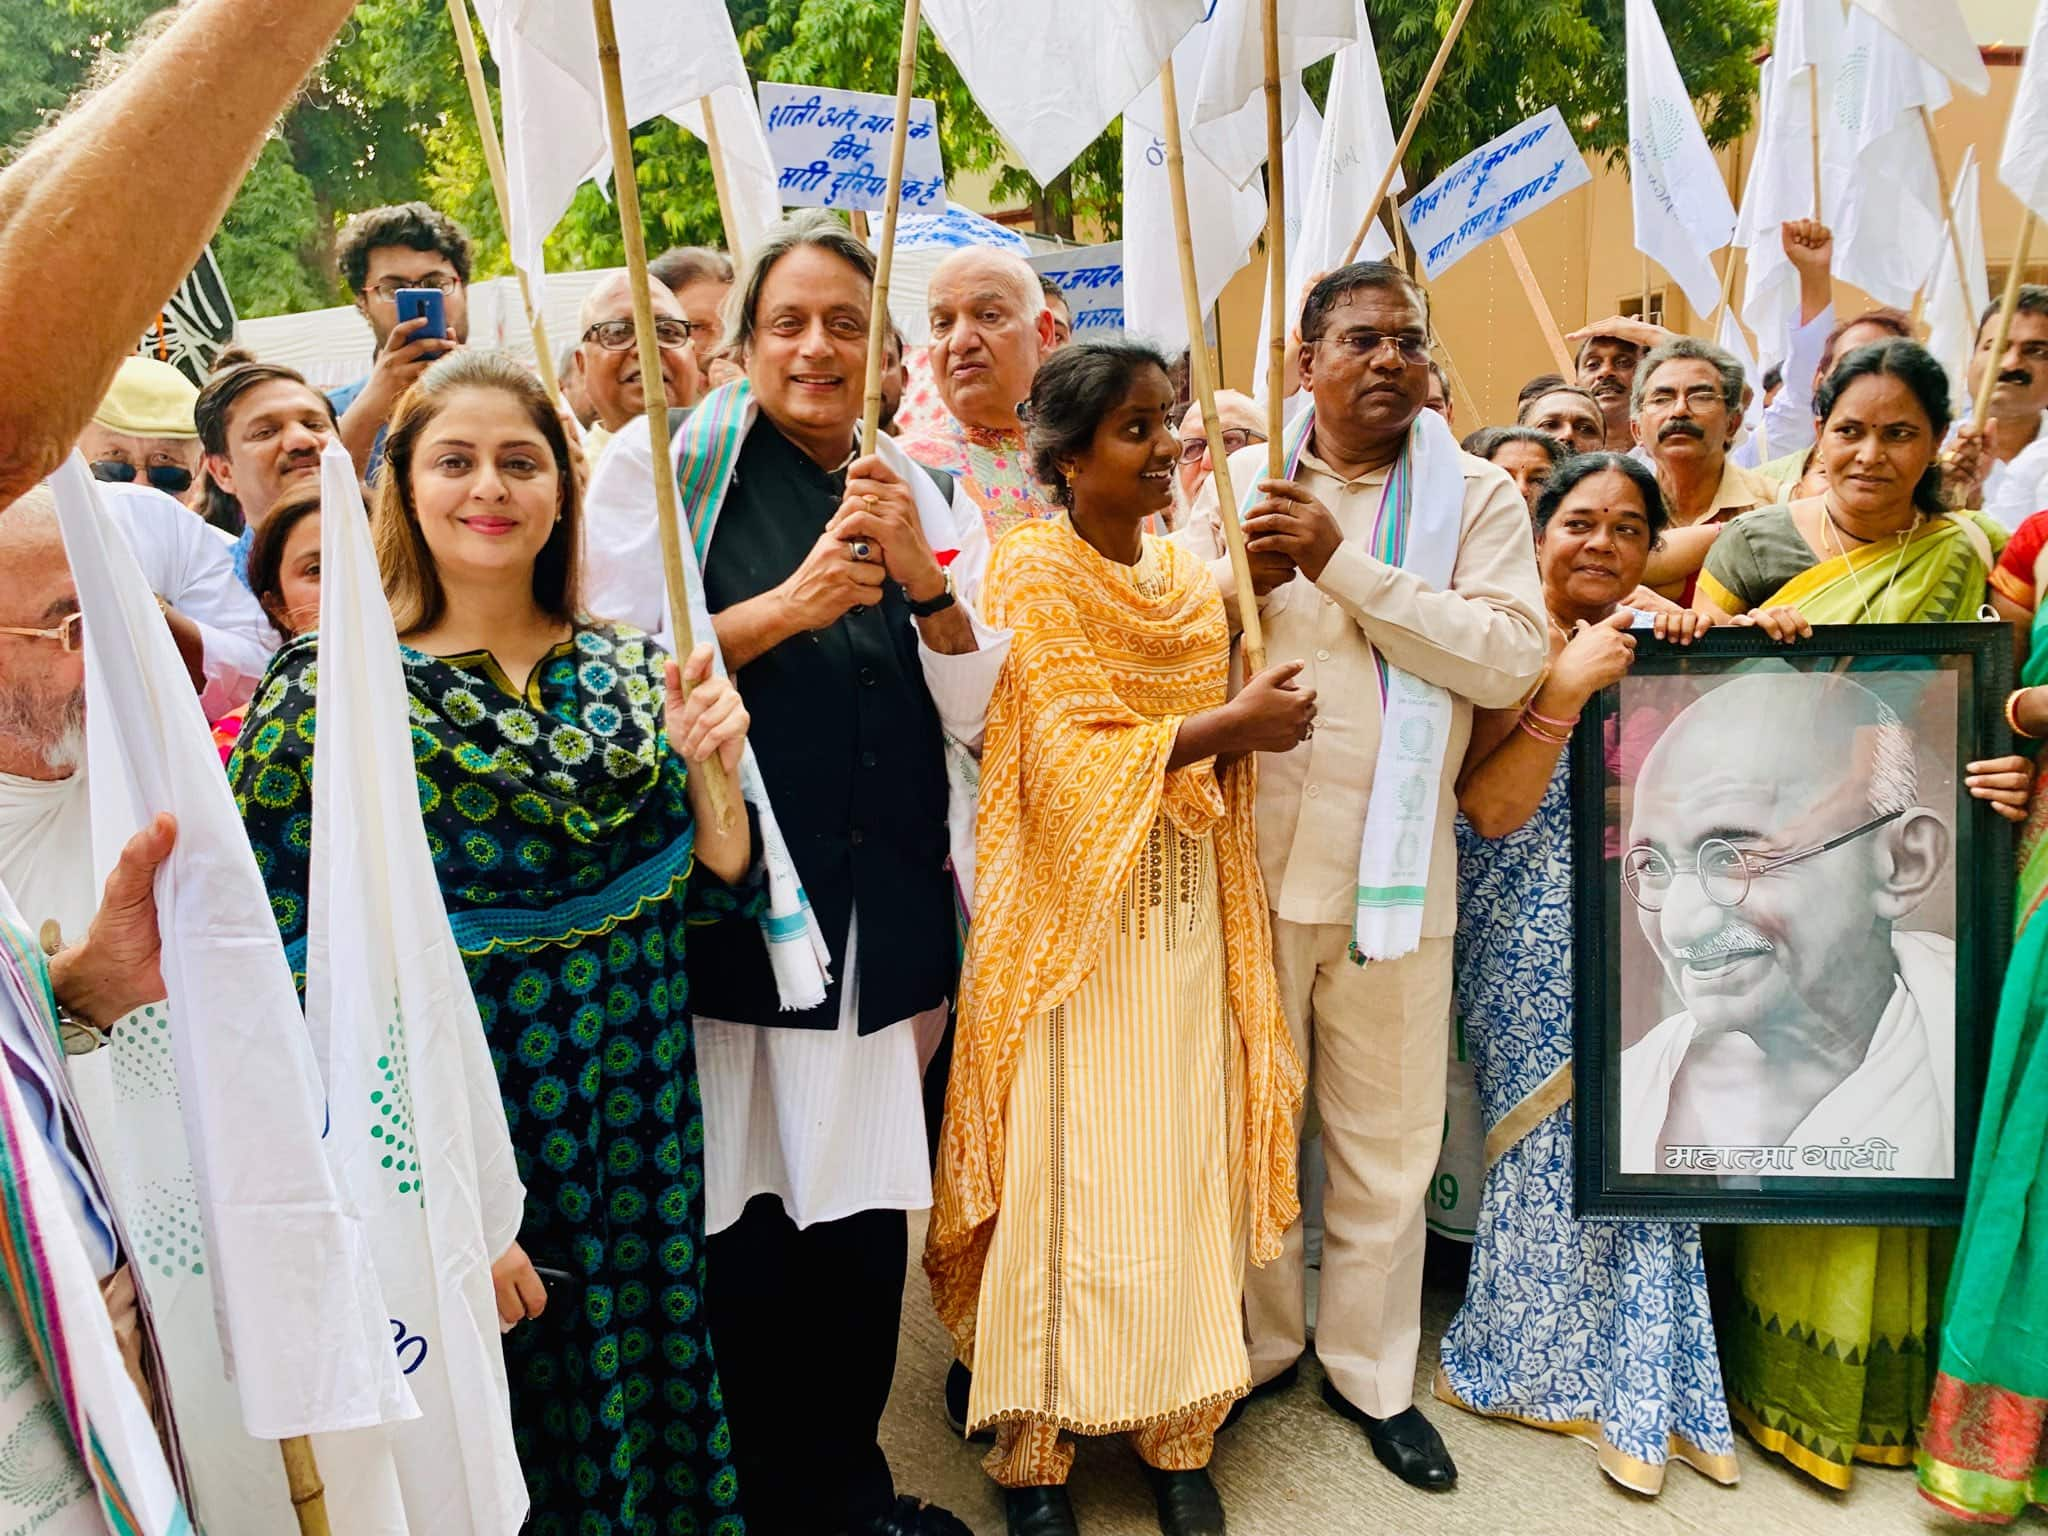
562	827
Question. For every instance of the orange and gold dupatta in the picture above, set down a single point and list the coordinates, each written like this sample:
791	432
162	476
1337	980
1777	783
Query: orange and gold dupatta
1106	662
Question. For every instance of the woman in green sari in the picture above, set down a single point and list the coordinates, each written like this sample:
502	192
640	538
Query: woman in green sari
1984	1454
557	764
1827	1333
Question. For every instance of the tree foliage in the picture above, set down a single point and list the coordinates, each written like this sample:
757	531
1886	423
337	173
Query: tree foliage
386	116
1516	57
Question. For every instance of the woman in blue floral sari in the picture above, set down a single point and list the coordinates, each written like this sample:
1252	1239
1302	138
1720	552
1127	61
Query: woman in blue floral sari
1600	1330
554	759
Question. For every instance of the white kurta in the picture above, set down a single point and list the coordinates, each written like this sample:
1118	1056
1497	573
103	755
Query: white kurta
191	566
46	850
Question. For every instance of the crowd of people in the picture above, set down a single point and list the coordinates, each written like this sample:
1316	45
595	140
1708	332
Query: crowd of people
1048	911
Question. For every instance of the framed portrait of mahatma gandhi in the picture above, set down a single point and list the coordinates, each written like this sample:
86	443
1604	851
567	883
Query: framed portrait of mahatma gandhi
1791	927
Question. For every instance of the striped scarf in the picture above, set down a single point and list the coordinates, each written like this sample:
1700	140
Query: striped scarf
53	1303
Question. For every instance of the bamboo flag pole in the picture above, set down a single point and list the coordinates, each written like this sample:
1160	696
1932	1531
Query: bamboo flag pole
1546	322
1727	293
1436	69
2006	309
1646	288
309	1493
716	150
1205	387
494	162
717	788
885	257
1948	207
1277	297
1813	117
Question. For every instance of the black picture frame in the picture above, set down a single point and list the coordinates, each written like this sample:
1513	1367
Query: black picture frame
1756	1188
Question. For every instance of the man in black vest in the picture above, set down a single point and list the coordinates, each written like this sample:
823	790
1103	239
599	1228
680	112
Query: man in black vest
856	656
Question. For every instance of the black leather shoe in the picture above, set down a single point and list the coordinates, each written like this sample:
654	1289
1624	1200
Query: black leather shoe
914	1517
1272	1387
1188	1504
1039	1512
959	1384
1407	1444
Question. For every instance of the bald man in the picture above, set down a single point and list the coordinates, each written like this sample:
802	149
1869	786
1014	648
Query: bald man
990	332
608	358
1773	872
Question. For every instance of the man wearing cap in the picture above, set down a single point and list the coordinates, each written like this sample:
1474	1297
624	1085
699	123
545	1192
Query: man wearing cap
143	431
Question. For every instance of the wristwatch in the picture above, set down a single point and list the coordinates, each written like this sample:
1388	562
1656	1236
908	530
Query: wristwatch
932	605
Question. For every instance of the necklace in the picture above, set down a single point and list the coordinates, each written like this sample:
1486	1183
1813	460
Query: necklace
1832	532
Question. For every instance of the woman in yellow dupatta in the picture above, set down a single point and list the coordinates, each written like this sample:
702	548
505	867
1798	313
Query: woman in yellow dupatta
1118	1137
1828	1333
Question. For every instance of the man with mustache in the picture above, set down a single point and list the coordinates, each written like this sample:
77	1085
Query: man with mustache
608	358
1687	402
262	426
1607	363
990	331
1775	897
2006	461
1355	826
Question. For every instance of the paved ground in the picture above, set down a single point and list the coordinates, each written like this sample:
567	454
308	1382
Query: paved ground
1290	1467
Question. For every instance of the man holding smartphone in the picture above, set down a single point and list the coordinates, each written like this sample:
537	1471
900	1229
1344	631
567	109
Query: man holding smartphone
386	252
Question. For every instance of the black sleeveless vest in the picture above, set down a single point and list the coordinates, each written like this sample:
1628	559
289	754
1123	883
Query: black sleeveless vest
849	743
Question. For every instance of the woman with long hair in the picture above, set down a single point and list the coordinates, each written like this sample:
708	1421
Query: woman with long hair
557	762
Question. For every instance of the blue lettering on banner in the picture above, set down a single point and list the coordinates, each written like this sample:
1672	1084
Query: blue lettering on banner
831	148
1499	183
1091	277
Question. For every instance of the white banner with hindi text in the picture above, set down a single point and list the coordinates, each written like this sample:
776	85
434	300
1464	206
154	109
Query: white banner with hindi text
1498	184
831	148
1091	278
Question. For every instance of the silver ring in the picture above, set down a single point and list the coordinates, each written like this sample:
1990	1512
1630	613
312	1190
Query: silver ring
860	549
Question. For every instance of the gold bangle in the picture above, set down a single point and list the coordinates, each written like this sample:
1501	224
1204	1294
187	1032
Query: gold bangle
2012	715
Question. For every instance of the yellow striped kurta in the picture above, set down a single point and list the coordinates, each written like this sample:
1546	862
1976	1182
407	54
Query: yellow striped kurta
1111	1294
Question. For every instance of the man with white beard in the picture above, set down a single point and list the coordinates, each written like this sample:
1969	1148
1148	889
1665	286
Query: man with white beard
45	815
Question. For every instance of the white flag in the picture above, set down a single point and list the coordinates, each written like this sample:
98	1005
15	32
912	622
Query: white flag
1229	116
1954	303
416	1121
1682	212
302	1324
1052	74
2024	165
1936	30
1736	345
672	53
1299	156
1225	218
1884	199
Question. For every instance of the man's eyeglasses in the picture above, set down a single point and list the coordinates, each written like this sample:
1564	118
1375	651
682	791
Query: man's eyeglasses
619	335
1701	397
69	633
392	287
172	479
1413	346
1723	870
1234	438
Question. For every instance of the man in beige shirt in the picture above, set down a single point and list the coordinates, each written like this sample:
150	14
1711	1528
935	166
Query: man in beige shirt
1376	1037
1686	405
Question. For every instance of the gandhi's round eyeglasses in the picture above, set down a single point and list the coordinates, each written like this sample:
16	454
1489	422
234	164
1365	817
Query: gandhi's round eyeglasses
1723	870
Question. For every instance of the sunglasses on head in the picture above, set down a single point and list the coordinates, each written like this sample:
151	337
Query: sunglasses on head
171	479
